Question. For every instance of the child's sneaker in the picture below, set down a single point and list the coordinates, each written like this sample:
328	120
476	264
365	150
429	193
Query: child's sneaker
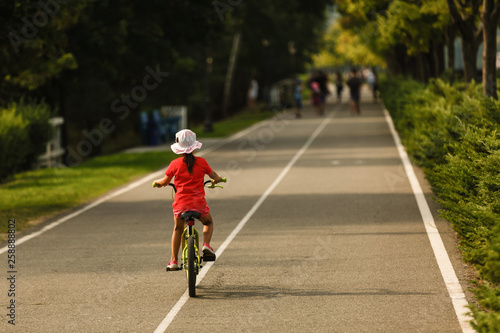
173	265
208	253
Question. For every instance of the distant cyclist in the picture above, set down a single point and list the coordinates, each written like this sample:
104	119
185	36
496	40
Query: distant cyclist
189	172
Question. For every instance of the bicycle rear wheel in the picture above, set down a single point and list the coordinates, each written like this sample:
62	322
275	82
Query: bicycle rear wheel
191	271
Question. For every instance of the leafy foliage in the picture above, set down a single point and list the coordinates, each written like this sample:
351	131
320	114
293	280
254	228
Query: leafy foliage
24	130
13	142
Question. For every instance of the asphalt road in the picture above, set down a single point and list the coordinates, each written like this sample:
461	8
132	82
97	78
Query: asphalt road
338	245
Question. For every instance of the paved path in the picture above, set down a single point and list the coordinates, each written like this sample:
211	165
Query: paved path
338	245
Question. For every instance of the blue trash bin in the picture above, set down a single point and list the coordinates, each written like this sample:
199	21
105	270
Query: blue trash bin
172	127
153	132
144	119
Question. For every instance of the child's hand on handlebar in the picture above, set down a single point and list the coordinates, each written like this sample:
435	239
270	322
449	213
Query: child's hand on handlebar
219	180
162	182
212	182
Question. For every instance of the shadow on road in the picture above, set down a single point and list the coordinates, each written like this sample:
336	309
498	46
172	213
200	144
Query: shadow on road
267	292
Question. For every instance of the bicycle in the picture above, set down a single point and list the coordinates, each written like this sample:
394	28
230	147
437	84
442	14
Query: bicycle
191	259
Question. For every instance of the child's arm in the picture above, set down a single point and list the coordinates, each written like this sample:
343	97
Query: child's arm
215	177
164	181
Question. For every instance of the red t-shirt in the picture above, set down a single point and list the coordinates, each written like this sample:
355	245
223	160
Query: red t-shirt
190	189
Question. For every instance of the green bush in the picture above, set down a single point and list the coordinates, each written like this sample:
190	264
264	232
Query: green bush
454	133
39	129
487	320
468	188
14	142
24	132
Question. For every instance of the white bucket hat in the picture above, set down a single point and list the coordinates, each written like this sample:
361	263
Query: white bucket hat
185	142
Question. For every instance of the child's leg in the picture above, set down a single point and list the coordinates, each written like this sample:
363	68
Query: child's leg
176	237
208	228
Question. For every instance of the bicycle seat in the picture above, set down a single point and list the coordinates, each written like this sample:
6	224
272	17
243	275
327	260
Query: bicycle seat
190	215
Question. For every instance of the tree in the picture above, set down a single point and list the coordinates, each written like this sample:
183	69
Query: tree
465	17
489	17
344	47
408	34
34	41
89	59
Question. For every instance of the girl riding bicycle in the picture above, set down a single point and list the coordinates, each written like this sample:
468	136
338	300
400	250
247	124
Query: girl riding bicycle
189	172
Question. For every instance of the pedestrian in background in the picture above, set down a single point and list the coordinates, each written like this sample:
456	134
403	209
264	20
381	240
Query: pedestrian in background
316	97
354	84
375	85
297	94
253	92
322	80
372	80
339	84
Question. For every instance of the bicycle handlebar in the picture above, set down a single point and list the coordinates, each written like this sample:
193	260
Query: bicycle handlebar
211	181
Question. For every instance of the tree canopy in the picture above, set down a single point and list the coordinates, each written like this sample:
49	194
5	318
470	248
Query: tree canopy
411	36
81	56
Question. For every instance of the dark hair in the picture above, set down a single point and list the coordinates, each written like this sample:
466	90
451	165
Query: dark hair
189	159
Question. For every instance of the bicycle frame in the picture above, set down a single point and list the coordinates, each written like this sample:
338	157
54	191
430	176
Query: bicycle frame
190	230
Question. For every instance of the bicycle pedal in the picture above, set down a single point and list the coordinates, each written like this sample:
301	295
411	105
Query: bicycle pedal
209	257
173	269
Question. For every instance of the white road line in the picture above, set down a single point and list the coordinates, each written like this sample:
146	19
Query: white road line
180	303
450	278
129	187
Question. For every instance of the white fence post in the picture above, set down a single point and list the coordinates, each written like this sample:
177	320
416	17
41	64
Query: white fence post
54	151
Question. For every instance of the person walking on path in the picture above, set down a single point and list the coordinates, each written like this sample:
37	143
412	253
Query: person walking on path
297	94
339	84
322	80
354	84
372	80
316	97
253	92
189	172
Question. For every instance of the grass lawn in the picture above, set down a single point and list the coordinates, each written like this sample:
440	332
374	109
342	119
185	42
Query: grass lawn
33	196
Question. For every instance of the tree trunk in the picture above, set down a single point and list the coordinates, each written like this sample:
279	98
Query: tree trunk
393	66
230	71
438	57
430	59
421	67
489	17
464	19
451	35
469	55
208	126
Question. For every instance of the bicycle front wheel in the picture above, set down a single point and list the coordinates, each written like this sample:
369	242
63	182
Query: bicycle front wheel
191	271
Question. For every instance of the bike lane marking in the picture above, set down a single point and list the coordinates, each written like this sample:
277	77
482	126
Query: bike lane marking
453	286
129	187
183	299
